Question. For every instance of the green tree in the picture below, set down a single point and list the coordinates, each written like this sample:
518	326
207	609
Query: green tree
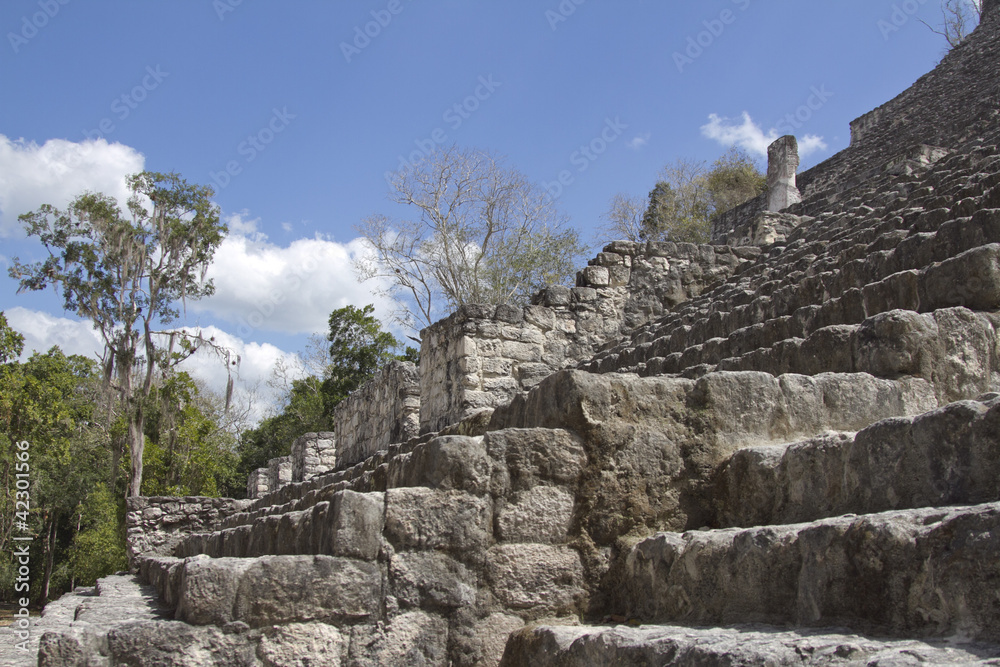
50	402
357	349
685	198
481	232
98	548
733	179
127	276
189	449
11	342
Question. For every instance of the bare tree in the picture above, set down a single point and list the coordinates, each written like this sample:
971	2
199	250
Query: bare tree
480	233
958	19
624	217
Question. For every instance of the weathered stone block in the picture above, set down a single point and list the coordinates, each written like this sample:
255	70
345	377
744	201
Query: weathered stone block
283	589
418	518
536	578
356	521
431	580
541	514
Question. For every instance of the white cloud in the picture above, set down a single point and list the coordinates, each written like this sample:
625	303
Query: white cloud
57	171
291	289
748	135
257	362
287	226
639	141
41	331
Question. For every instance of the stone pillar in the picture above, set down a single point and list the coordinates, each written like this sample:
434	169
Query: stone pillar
279	473
782	163
990	6
257	483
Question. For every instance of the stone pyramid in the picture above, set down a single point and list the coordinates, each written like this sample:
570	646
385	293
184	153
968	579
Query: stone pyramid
779	449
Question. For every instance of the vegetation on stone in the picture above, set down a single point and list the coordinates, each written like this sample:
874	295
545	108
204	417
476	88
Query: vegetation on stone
685	198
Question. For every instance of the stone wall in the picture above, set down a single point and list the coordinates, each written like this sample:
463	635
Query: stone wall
942	108
279	472
313	454
258	483
383	411
481	356
155	524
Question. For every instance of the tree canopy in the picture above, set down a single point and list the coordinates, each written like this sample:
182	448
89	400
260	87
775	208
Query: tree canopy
480	232
685	198
128	275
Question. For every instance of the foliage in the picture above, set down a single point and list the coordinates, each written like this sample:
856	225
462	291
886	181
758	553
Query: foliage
51	402
11	342
480	233
685	198
189	450
127	276
357	349
99	547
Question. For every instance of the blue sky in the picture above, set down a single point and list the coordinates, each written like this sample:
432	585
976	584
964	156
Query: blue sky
295	111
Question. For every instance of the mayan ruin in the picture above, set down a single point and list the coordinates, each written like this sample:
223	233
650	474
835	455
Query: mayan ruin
780	448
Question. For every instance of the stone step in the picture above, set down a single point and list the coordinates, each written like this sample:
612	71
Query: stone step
968	278
923	572
465	482
865	247
953	348
738	409
72	626
679	646
944	457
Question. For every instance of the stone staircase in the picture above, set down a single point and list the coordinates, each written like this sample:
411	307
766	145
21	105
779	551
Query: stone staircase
800	466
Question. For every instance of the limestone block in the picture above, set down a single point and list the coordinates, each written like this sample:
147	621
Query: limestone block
419	518
355	522
971	279
964	363
536	577
283	589
896	342
430	580
412	638
171	643
558	646
923	572
595	276
208	588
528	457
302	645
541	514
449	463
